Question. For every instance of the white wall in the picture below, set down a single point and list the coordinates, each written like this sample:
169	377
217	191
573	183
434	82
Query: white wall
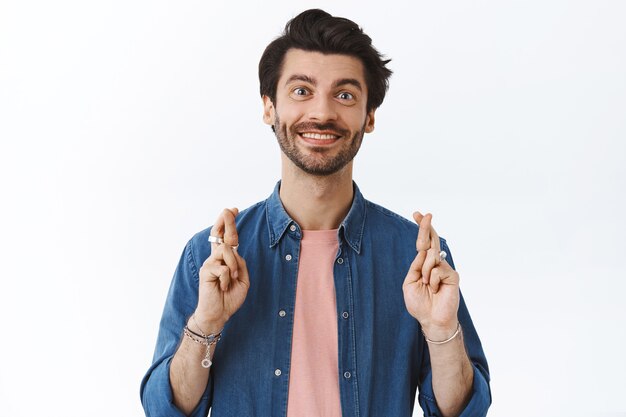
126	126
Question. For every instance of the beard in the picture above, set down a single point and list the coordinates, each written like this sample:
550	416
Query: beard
317	163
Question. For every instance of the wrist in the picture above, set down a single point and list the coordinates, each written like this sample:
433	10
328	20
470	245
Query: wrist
202	326
440	332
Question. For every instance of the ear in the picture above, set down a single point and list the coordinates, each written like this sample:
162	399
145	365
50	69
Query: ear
268	111
369	121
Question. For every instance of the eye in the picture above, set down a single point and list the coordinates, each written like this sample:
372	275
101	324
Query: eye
300	91
345	96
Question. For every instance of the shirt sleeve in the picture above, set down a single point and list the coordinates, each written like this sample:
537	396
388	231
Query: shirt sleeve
480	399
156	391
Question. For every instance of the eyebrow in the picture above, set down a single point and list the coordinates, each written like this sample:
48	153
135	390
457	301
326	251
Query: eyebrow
344	81
348	81
301	77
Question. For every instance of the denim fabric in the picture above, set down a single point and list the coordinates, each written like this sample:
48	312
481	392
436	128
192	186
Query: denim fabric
383	358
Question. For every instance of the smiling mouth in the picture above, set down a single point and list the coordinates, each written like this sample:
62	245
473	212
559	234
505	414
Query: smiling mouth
319	136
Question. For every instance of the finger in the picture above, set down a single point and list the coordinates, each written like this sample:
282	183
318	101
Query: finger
432	260
434	239
228	257
217	230
418	262
231	237
423	236
411	277
222	273
219	273
223	255
243	268
448	275
443	275
415	270
436	276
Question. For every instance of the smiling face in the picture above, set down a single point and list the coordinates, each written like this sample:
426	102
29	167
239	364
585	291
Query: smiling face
320	113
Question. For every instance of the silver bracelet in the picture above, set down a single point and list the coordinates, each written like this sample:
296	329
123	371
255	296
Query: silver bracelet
434	342
207	340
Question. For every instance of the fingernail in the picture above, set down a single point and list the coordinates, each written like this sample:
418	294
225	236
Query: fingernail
236	274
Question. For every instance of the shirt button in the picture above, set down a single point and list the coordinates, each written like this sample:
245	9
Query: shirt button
345	315
347	375
277	372
282	313
293	227
288	257
340	261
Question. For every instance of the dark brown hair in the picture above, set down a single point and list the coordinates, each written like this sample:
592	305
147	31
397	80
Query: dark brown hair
315	30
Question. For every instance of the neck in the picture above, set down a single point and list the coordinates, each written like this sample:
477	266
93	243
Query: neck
316	203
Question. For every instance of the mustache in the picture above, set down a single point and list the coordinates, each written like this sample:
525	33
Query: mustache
319	126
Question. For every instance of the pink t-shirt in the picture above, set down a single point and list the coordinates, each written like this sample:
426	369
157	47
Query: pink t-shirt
314	376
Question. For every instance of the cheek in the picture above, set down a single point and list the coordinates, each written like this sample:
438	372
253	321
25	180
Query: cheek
289	110
356	119
288	115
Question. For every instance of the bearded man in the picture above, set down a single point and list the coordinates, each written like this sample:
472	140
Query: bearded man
316	301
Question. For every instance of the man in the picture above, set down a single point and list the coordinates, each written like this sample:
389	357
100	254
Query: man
317	302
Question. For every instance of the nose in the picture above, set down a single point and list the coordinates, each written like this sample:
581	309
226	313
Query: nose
322	109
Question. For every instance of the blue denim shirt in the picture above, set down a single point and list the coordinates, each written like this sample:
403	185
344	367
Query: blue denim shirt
383	357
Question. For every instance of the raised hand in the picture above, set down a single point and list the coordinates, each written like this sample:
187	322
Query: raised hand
431	287
224	279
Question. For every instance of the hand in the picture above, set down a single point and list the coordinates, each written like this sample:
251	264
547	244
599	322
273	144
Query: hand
431	287
224	279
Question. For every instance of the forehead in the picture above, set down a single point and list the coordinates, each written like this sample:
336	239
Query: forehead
324	68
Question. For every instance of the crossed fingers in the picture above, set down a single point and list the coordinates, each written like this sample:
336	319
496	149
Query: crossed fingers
428	263
225	227
224	262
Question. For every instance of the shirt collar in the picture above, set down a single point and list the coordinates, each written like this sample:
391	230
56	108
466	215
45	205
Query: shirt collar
351	227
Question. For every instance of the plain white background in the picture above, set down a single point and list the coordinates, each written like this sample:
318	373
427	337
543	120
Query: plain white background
126	126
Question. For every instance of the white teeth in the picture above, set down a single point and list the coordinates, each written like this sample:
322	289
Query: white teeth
318	136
